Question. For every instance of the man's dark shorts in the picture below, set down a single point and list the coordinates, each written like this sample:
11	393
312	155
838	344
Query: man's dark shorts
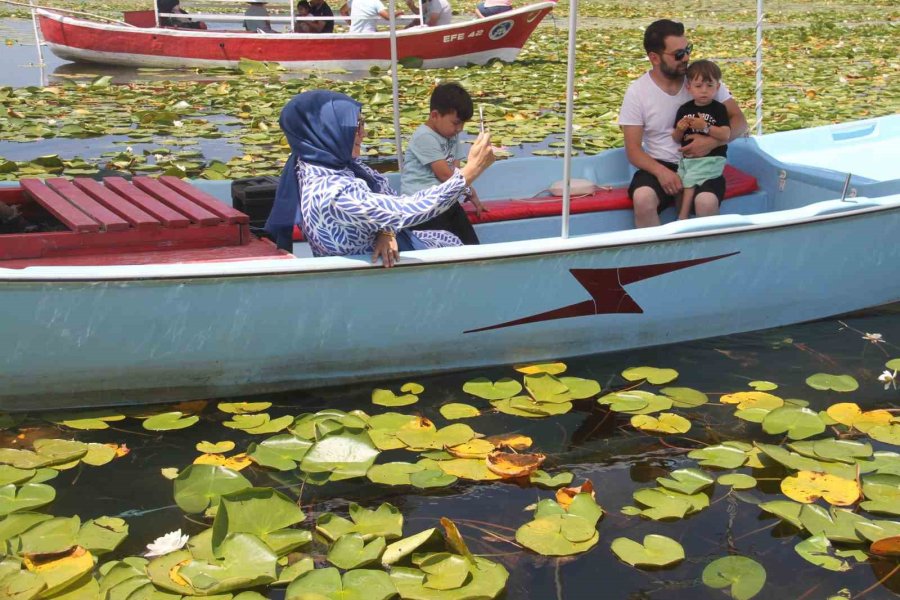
644	178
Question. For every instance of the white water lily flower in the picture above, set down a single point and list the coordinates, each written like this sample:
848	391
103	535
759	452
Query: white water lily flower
178	123
170	542
888	379
875	338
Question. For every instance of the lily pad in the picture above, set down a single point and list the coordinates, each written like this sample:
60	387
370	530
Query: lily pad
738	481
683	397
836	383
723	456
281	452
553	368
798	423
242	408
200	486
492	390
686	481
664	423
385	521
329	584
393	473
837	524
653	375
558	535
458	410
215	448
882	494
245	562
170	421
663	503
102	535
351	551
260	511
850	414
30	495
343	455
543	479
818	550
656	551
809	486
744	576
388	398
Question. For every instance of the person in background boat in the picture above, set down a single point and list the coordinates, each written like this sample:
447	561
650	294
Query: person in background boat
342	206
489	8
703	115
646	116
435	12
364	15
432	156
173	7
255	17
318	8
303	9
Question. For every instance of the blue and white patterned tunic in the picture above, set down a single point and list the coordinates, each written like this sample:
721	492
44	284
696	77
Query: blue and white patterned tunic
342	216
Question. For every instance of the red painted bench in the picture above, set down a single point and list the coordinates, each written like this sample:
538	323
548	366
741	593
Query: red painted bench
737	183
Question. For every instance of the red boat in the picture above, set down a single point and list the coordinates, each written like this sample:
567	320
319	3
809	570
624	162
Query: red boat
458	44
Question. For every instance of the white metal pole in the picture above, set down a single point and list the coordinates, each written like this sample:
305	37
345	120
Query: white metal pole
37	37
421	12
395	84
759	67
156	13
570	105
293	17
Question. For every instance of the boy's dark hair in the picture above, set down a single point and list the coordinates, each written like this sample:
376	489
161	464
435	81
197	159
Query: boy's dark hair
704	70
303	4
452	96
657	32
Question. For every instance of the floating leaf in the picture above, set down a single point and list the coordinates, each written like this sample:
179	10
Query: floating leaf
837	524
242	408
259	423
457	410
102	535
651	374
388	398
786	510
818	550
558	535
549	368
170	421
889	434
486	580
664	423
215	448
393	473
663	503
723	456
744	576
849	414
656	551
282	452
510	441
30	495
343	455
545	480
683	397
510	465
750	400
763	386
468	468
261	512
579	388
245	562
686	481
59	572
836	383
200	486
798	423
847	451
496	390
808	486
328	583
738	481
882	493
889	546
351	551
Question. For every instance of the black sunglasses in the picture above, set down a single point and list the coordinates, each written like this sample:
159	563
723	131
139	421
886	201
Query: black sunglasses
682	52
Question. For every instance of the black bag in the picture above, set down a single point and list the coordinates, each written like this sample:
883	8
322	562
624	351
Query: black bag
254	196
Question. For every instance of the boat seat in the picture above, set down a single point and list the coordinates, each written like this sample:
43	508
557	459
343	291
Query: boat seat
119	216
737	183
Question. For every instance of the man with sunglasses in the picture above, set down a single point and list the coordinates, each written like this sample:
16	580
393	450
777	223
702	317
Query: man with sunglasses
646	118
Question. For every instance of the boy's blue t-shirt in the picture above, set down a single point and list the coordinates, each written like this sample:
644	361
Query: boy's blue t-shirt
425	147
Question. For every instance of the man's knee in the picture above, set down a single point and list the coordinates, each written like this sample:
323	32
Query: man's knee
706	204
645	201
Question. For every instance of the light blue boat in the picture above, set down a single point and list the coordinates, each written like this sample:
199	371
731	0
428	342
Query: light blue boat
790	251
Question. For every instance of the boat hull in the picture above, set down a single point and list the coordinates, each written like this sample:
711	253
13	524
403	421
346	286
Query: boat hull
470	42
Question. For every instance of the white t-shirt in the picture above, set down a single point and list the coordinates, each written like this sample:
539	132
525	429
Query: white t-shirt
364	15
440	8
645	104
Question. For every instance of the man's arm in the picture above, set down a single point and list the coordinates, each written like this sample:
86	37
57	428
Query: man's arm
669	181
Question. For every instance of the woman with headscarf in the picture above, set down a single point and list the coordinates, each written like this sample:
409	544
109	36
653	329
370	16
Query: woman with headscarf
343	206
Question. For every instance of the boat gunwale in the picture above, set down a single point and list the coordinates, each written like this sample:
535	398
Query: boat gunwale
578	244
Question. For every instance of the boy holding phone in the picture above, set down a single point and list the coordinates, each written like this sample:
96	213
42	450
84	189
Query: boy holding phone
433	154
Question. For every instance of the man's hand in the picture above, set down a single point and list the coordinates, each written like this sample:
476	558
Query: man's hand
698	145
386	249
669	181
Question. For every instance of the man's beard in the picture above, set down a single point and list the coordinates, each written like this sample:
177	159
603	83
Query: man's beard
670	73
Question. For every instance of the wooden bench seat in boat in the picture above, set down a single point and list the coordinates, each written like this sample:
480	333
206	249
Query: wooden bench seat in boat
116	221
737	183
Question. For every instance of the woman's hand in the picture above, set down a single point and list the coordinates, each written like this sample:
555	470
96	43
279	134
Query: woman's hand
386	249
481	156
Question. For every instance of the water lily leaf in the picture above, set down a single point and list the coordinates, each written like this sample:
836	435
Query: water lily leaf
385	427
393	473
889	546
246	562
50	537
486	580
663	503
798	423
683	397
400	549
651	374
629	401
554	368
544	387
884	462
242	408
738	481
457	410
59	572
723	456
431	478
344	455
475	448
200	486
169	421
10	474
385	521
95	420
22	585
846	451
744	576
837	524
874	530
58	452
849	414
664	423
882	494
565	496
294	570
753	400
510	465
444	571
786	510
809	486
30	495
889	434
424	439
328	584
388	398
656	551
510	441
579	388
818	550
492	390
836	383
281	452
215	448
260	511
543	479
686	481
18	523
102	535
893	364
351	551
259	423
99	454
763	386
164	572
526	406
468	468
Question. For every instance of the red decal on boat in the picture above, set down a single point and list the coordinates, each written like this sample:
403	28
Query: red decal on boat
606	287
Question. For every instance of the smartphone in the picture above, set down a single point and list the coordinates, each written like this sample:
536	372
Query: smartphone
481	116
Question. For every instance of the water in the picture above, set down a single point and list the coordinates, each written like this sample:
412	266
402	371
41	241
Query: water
589	442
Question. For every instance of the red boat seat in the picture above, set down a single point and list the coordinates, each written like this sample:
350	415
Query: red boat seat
737	183
140	18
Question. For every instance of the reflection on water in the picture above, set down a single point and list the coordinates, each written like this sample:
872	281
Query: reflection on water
589	441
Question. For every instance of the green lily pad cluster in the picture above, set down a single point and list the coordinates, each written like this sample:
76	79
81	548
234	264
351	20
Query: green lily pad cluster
547	393
562	531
